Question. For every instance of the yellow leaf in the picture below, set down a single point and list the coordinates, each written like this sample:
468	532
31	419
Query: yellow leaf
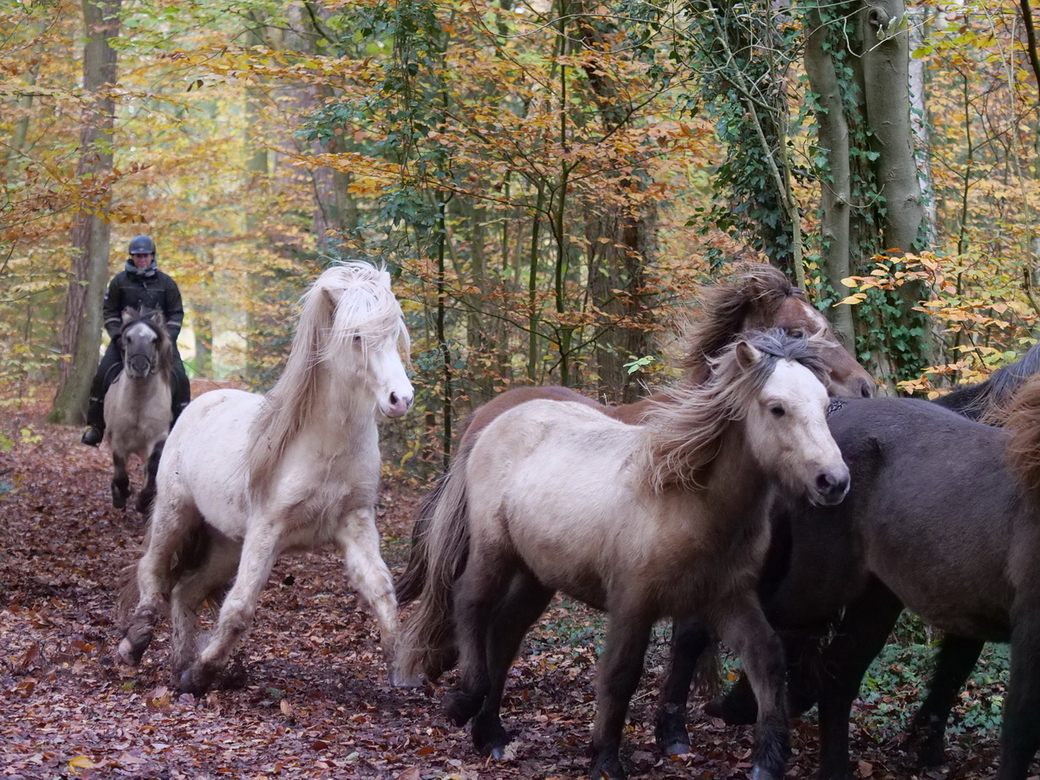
81	762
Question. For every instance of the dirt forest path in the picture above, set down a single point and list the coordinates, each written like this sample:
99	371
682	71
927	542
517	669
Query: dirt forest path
306	695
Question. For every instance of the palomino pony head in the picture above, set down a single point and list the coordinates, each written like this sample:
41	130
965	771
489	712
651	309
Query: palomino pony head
146	344
767	388
760	296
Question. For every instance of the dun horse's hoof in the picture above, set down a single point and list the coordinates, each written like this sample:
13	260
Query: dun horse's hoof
607	767
461	706
758	773
670	732
489	738
196	680
118	500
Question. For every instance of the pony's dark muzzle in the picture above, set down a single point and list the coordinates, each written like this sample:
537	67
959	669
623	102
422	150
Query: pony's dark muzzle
138	365
831	487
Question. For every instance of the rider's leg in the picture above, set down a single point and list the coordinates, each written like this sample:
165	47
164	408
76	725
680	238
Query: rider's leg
108	369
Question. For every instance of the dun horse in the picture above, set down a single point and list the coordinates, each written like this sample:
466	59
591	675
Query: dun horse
137	405
664	519
245	478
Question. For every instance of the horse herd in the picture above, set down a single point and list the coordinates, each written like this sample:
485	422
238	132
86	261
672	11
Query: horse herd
766	501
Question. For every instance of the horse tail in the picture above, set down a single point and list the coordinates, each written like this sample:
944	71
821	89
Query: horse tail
1024	422
410	584
428	636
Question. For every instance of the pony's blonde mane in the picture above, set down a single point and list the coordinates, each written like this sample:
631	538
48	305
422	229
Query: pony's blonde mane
757	288
686	428
347	301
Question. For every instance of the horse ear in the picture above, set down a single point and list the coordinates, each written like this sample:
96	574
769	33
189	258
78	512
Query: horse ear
747	355
158	319
332	296
129	315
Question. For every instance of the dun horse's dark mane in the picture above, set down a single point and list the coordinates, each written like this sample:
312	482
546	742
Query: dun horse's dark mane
686	428
1023	419
726	306
157	322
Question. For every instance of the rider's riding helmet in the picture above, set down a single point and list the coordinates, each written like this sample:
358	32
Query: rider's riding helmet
142	245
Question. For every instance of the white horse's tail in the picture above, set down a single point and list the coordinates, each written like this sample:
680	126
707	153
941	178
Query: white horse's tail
428	634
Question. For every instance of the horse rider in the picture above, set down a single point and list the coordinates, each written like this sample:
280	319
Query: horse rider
141	285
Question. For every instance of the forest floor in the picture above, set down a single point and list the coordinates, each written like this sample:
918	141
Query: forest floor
312	698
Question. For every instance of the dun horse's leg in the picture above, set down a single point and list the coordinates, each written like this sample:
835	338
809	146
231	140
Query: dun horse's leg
524	604
366	570
742	626
479	591
120	482
144	500
617	675
173	524
236	614
188	594
1020	737
689	641
859	638
956	659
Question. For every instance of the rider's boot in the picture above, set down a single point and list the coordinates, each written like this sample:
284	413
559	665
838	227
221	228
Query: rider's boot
96	421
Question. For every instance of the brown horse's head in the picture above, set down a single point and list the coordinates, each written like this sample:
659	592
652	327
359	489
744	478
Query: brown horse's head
761	296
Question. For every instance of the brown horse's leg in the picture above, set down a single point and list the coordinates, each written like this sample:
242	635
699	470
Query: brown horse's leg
524	604
147	495
120	482
617	675
238	609
214	572
956	658
1020	736
859	637
479	592
689	641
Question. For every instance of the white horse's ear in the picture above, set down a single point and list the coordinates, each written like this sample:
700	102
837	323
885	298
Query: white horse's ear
332	296
747	355
129	315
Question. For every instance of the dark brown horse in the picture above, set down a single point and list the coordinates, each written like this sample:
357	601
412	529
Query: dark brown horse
802	609
939	522
665	519
758	296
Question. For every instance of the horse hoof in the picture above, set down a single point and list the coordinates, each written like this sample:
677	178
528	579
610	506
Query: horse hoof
398	680
611	769
732	713
194	681
758	773
119	502
128	654
676	749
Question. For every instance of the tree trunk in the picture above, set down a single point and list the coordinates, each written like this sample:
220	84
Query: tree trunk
81	333
836	197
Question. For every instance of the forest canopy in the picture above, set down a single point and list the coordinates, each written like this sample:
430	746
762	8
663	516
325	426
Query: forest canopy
550	182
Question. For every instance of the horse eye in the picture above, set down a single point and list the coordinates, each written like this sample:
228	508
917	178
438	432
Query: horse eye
797	334
777	411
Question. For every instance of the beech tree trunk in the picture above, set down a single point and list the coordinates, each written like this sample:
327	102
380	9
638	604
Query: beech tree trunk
81	333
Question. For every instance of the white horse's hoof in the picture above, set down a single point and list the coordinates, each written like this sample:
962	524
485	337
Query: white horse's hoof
398	680
125	651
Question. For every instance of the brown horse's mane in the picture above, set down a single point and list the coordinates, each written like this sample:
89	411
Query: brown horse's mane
1023	419
757	288
353	299
686	427
164	349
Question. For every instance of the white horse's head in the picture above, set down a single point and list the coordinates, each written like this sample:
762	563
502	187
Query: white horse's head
787	429
368	341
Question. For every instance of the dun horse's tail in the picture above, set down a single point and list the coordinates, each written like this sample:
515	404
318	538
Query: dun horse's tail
428	636
1023	420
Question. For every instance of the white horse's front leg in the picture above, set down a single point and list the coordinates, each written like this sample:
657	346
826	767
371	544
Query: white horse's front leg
259	551
367	572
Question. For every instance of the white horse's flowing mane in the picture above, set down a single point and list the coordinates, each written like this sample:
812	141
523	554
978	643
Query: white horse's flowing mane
686	427
350	300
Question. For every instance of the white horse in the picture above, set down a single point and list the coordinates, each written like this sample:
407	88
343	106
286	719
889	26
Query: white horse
245	477
137	405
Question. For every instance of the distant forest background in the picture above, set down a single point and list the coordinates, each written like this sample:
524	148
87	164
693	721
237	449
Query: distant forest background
551	182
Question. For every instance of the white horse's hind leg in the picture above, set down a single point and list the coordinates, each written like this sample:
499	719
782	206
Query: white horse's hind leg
367	572
236	614
188	595
173	525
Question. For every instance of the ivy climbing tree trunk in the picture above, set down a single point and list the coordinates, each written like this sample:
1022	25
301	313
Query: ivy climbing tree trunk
833	136
81	333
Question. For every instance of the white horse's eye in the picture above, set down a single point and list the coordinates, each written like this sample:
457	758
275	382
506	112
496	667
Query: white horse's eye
777	410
